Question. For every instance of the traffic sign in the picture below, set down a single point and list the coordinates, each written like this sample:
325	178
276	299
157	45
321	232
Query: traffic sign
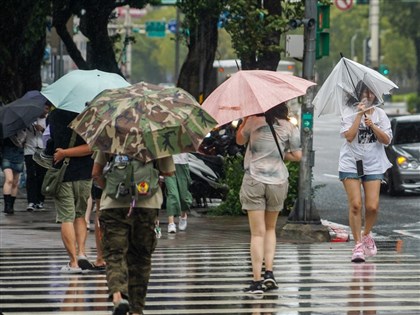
172	26
155	29
343	5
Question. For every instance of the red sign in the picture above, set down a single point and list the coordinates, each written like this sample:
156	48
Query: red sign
343	4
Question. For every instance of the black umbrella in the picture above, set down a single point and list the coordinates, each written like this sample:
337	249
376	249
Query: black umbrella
20	113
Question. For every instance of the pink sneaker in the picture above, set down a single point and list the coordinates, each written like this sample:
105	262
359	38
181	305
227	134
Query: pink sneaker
369	245
358	253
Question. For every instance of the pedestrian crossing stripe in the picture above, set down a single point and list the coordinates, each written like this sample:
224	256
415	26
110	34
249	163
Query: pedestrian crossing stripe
312	278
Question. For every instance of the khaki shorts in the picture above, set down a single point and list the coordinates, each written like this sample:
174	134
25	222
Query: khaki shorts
71	201
255	195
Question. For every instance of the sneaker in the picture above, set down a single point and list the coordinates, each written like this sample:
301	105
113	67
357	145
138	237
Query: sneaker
358	253
46	161
256	287
121	308
31	207
182	223
171	228
369	245
68	269
39	206
269	281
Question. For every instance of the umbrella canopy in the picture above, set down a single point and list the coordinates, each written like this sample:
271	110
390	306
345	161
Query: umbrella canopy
341	90
144	121
20	113
73	90
250	92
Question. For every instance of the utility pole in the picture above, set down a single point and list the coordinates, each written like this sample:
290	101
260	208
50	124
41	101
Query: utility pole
304	220
374	33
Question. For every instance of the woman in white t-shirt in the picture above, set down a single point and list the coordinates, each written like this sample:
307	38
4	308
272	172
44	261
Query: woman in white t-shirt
362	163
265	185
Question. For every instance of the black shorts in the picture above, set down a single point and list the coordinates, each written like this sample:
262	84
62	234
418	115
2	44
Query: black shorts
96	192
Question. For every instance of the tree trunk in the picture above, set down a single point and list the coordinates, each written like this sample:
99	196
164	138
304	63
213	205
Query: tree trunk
417	47
61	15
269	60
22	45
194	76
94	25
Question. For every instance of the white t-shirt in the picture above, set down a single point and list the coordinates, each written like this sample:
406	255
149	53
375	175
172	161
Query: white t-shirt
365	145
262	159
34	138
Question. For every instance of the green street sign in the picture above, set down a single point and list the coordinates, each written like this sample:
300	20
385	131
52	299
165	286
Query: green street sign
155	28
307	121
168	2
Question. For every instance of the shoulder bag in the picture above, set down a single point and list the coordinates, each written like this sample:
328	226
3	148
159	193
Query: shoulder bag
54	176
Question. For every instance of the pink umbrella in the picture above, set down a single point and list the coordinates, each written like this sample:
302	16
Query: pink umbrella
250	92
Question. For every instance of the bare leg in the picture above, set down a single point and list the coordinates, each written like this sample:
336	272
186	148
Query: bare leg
270	240
81	235
354	196
98	237
372	191
88	210
256	220
69	240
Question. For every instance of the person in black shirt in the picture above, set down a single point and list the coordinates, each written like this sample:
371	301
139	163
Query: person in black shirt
71	201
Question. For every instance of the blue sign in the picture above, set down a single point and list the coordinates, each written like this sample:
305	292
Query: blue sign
172	26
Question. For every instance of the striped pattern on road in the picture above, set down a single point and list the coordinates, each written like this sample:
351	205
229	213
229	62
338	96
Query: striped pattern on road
312	278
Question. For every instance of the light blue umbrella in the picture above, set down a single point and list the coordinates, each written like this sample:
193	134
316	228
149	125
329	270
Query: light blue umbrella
72	91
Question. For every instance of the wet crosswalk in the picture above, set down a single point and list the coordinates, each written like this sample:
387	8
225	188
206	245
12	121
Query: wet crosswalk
312	278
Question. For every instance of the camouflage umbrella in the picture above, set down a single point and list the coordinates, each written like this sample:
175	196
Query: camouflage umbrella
144	121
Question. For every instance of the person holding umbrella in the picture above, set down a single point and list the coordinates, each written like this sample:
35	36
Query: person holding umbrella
265	185
362	163
129	231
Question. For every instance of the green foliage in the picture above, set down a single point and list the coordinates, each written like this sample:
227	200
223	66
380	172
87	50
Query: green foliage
248	24
234	173
413	103
292	195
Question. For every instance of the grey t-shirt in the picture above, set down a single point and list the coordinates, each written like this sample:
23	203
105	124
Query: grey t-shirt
262	158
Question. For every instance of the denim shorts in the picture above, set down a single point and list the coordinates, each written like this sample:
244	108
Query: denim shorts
12	158
364	178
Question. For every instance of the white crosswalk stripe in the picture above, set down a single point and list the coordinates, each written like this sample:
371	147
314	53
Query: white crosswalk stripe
312	279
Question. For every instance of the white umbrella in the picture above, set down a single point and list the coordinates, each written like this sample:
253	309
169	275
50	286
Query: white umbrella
341	90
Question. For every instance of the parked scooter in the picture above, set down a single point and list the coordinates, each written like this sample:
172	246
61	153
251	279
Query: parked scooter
206	174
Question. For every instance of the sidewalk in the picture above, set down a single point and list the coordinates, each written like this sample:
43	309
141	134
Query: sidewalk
39	228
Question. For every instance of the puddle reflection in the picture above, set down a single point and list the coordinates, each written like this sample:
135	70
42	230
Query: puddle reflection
79	299
363	276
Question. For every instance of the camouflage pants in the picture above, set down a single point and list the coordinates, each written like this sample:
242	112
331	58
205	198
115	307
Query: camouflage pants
128	244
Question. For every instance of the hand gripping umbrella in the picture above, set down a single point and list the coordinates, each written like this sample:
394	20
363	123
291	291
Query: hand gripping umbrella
341	90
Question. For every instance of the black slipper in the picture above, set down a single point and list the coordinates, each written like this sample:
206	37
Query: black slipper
100	267
121	308
84	263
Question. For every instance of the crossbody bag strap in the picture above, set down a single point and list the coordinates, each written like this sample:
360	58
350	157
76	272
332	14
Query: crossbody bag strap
71	144
275	138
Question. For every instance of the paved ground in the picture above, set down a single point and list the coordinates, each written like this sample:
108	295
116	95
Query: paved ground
203	270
